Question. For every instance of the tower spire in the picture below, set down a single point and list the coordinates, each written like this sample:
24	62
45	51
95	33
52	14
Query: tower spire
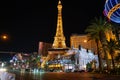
59	39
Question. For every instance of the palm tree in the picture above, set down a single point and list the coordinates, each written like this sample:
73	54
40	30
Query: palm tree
96	31
112	46
93	34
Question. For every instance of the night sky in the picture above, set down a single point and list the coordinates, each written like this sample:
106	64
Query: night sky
29	21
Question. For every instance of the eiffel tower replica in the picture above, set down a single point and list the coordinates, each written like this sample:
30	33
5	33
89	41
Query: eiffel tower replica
59	46
59	39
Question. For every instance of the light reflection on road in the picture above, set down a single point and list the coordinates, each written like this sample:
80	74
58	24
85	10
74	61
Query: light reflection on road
63	76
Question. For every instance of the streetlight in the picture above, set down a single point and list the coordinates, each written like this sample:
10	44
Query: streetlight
4	36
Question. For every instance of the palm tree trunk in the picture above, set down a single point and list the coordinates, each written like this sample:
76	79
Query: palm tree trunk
103	41
106	57
113	63
99	57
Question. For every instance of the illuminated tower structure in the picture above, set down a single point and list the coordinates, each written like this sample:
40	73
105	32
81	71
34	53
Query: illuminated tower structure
59	48
59	39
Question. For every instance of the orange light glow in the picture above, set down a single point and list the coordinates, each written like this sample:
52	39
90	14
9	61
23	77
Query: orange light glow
4	36
85	41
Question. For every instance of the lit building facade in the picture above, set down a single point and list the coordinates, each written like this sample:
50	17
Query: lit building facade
77	41
83	57
43	48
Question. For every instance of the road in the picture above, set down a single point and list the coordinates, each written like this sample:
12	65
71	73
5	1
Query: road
65	76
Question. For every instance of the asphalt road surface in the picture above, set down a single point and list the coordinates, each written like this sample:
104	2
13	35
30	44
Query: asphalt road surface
65	76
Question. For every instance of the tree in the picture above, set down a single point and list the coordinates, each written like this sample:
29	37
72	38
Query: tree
96	31
112	46
116	30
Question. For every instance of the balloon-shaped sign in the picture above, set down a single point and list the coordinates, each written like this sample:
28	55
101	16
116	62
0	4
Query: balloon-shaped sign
112	10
